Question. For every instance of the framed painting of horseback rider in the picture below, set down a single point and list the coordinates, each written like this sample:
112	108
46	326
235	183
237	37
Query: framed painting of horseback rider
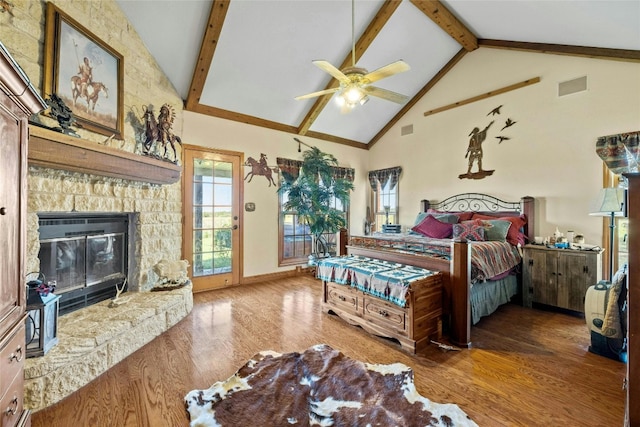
85	73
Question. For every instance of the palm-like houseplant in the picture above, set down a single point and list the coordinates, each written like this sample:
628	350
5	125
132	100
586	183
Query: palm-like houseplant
312	196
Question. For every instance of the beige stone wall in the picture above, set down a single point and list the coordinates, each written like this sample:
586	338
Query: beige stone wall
160	219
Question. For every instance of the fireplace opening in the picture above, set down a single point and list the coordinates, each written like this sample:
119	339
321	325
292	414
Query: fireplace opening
85	254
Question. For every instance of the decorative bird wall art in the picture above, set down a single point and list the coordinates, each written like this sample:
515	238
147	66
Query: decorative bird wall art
474	152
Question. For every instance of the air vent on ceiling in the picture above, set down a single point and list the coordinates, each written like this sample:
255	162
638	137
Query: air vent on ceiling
572	86
406	130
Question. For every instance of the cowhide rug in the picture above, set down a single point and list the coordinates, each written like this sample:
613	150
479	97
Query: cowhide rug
319	387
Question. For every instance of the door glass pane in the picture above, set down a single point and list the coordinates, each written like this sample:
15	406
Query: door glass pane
202	170
223	171
212	217
223	194
203	264
223	217
222	262
223	239
203	217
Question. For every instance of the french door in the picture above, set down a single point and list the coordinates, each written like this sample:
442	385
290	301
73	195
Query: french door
212	217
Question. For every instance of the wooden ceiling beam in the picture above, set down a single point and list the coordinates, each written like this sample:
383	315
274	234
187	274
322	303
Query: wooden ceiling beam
446	20
430	84
363	43
217	15
561	49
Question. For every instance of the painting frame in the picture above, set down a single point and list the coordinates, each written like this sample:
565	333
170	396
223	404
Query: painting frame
85	72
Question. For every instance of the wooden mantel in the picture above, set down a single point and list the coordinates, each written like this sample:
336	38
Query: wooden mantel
55	150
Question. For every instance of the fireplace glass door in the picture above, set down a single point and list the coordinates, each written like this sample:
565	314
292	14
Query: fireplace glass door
63	260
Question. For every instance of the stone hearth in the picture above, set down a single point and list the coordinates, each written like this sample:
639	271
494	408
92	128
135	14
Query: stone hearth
94	339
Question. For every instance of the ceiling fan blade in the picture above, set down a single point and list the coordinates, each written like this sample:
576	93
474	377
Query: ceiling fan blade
319	93
387	71
326	66
386	94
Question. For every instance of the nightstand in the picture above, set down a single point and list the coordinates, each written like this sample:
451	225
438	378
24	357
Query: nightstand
559	277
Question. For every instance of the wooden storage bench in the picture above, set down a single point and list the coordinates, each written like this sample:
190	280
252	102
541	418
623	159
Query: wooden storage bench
413	325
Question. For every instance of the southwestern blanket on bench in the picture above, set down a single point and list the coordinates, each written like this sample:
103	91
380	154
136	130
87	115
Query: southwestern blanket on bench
387	280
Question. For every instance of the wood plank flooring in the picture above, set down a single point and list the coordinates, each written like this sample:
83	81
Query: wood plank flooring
527	367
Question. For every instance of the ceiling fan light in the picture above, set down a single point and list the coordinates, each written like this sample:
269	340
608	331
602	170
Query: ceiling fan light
354	94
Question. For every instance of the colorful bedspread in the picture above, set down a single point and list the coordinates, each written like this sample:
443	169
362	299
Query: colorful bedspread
387	280
489	260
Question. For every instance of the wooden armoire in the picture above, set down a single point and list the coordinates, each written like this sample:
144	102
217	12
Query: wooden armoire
632	417
18	100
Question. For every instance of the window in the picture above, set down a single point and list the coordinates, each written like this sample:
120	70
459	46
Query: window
295	238
384	185
385	205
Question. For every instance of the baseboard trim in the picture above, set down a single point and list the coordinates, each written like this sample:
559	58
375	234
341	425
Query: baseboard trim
298	271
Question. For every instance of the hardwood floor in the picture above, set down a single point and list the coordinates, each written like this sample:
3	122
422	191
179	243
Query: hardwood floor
527	367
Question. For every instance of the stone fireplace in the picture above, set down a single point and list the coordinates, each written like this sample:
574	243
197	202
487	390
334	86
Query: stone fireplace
109	214
87	255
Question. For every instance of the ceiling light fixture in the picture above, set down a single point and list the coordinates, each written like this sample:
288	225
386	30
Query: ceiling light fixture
355	82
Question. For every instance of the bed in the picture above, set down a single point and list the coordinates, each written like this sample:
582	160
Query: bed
469	292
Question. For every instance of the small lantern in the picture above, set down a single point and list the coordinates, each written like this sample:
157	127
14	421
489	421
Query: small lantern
42	320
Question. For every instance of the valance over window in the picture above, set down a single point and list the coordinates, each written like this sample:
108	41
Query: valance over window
620	152
290	169
382	176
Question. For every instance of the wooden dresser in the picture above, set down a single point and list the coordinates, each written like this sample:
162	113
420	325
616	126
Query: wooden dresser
559	277
18	101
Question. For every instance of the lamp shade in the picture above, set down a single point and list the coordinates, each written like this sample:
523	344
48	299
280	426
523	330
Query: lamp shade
609	201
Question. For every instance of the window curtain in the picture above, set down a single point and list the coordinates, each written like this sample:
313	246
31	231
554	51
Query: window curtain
290	169
620	152
382	176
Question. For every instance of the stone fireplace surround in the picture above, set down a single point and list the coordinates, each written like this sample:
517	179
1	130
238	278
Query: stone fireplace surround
94	339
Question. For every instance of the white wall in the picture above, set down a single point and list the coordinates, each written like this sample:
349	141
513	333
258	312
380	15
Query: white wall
261	226
551	154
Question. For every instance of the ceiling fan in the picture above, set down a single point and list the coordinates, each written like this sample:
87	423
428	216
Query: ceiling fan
355	82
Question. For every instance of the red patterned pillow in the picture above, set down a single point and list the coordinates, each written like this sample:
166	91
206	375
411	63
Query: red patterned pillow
515	234
433	227
469	230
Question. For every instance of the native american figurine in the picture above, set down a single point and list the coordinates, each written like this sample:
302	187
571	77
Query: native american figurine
62	114
160	130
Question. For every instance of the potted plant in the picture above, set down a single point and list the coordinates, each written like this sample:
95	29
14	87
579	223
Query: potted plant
312	196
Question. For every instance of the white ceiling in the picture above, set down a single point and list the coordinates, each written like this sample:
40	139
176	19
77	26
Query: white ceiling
262	57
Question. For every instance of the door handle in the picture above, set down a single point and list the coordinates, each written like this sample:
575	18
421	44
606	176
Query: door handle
235	227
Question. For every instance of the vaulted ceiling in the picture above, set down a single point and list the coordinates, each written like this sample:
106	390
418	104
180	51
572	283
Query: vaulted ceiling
246	60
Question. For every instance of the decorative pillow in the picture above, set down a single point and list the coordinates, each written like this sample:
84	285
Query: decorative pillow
495	229
515	234
433	227
611	325
468	230
444	217
462	216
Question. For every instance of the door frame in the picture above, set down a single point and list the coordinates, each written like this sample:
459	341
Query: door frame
187	203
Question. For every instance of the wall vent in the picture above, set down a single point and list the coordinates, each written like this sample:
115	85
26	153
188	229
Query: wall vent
406	130
572	86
